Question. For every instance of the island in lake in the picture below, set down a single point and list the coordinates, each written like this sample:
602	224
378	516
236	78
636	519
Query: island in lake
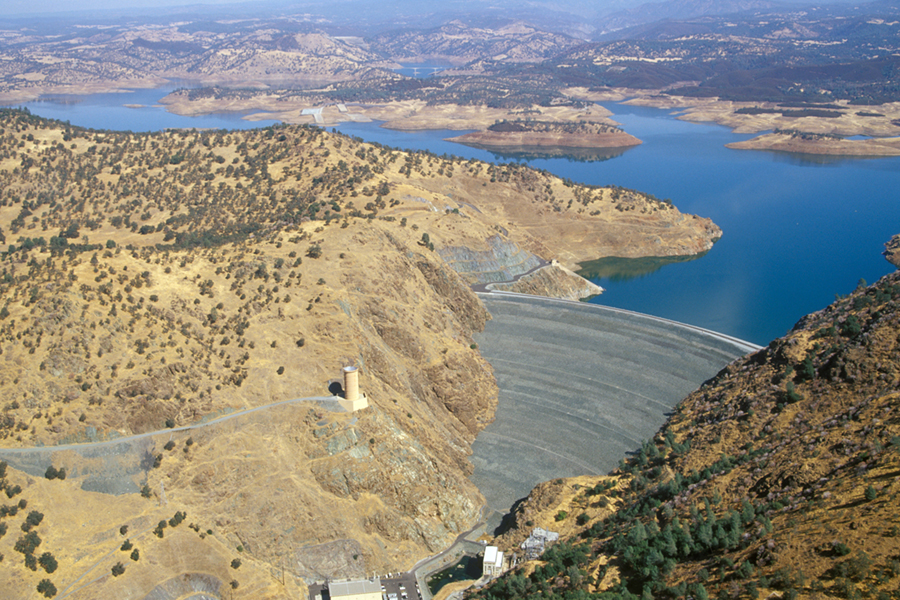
523	135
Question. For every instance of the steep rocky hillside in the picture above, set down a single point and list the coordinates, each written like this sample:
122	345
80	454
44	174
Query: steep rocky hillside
156	281
777	478
94	58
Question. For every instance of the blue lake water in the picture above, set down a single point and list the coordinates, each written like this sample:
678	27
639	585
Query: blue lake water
797	230
421	70
108	111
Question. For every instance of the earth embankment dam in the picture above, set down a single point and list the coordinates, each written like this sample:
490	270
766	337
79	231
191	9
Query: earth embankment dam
581	385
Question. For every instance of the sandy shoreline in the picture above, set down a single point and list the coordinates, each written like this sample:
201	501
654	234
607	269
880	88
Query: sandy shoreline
882	122
780	142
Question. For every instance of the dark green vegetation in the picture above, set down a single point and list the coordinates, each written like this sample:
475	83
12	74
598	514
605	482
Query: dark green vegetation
778	475
29	542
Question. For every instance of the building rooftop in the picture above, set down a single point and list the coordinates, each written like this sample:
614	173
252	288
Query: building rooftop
348	588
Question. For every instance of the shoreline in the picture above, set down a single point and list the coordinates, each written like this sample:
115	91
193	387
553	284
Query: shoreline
802	144
881	123
544	140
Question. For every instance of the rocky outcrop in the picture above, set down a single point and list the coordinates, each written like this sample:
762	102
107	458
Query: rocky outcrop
552	281
892	251
504	260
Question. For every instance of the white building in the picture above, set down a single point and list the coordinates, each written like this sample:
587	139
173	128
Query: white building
536	543
493	562
364	589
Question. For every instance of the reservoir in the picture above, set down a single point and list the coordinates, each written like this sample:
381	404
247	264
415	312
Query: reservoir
797	229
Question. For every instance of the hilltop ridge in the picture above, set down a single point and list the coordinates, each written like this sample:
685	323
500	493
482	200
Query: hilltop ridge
152	281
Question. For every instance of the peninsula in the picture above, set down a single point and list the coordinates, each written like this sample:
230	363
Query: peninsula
152	282
525	135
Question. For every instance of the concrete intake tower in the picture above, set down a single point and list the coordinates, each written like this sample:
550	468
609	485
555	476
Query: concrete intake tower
353	400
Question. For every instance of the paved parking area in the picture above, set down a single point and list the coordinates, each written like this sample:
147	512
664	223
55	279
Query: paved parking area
580	386
404	586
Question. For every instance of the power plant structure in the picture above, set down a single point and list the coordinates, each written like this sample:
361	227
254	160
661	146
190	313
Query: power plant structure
353	399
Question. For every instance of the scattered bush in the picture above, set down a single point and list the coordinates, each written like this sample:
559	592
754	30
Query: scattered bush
871	493
28	543
46	588
48	562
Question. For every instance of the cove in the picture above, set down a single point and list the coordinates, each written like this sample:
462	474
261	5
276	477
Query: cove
797	229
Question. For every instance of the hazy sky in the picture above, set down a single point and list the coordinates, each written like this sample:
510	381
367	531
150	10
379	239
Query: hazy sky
34	7
26	7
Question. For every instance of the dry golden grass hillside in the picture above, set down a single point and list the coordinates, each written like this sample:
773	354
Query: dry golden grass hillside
156	281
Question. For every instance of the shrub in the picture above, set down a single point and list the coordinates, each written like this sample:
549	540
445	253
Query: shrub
841	549
118	569
34	518
135	555
28	543
48	562
807	370
236	563
851	327
871	493
561	515
46	588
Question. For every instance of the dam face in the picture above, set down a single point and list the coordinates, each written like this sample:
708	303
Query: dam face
580	386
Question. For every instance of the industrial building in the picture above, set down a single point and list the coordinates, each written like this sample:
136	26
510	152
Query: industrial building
537	542
493	562
363	589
